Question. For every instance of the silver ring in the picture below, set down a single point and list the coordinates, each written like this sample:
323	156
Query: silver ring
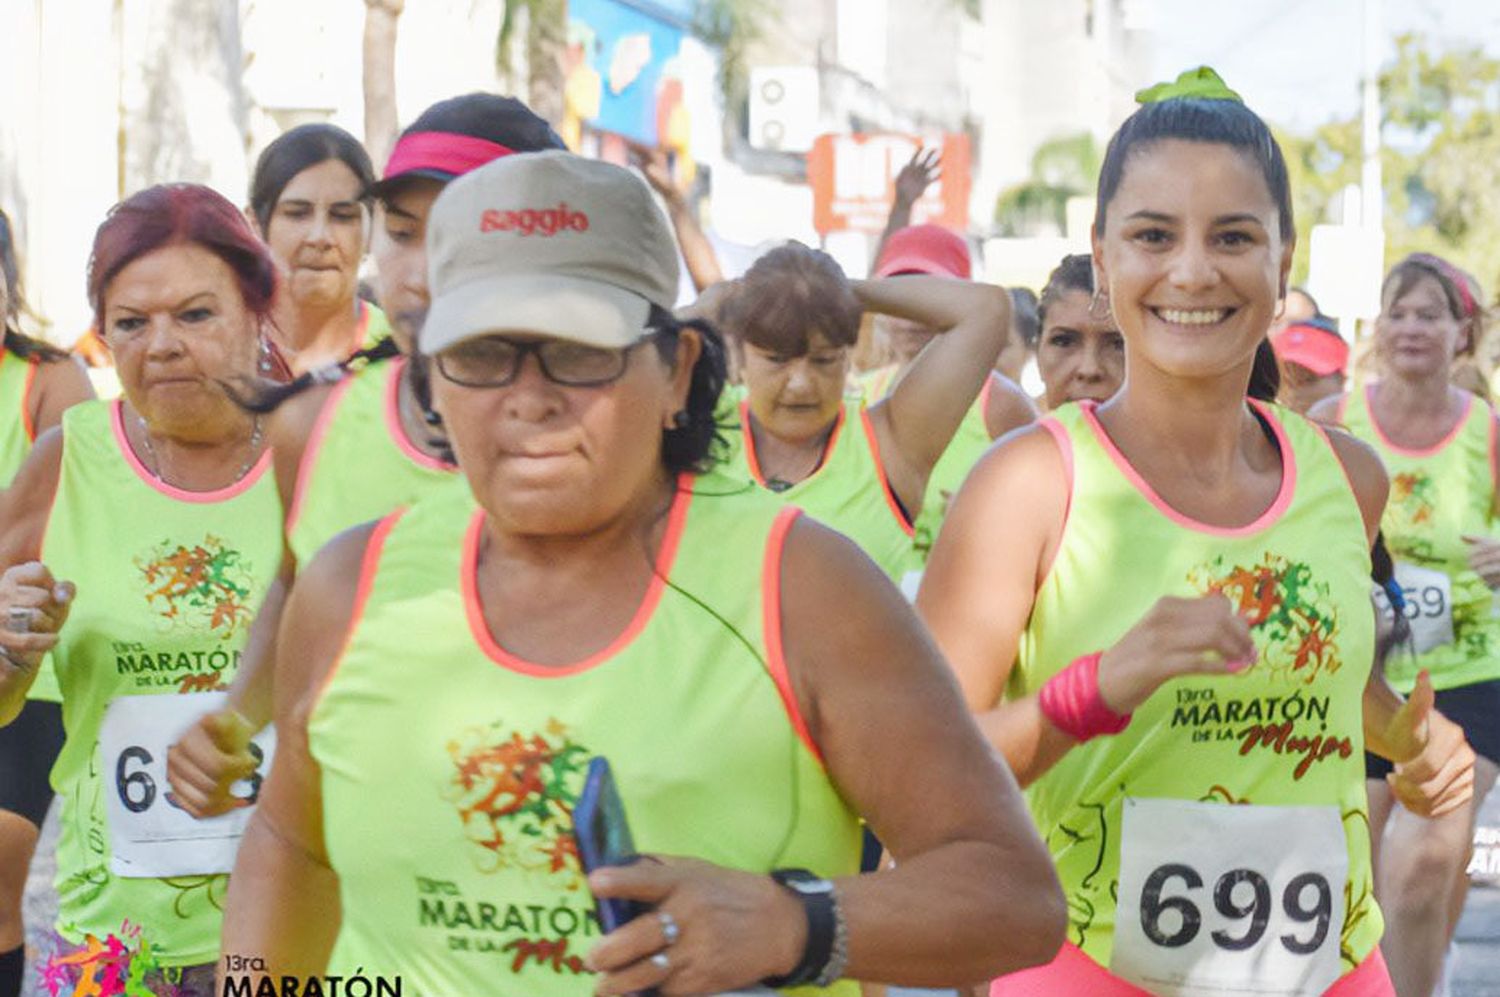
670	932
660	961
18	620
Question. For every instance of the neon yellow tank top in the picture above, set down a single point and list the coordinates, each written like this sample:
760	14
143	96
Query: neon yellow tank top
477	889
1286	732
359	464
848	491
168	582
373	326
1438	496
970	441
16	431
17	434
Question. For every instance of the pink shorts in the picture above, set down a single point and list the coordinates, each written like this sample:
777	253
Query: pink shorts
1072	972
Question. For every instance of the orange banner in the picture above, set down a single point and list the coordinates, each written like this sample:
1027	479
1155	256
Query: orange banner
853	179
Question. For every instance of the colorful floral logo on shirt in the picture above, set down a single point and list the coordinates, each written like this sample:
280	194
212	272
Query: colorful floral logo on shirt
115	967
515	794
1413	499
205	586
1291	615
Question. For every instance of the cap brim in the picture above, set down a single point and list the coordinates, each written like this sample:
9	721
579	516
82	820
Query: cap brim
559	305
913	264
1313	361
383	188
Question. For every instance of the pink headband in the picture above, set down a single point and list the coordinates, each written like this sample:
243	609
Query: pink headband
445	152
1455	277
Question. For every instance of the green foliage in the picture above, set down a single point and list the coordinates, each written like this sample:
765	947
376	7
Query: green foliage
732	27
1441	139
1061	168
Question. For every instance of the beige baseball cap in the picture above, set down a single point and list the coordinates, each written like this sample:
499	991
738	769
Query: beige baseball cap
547	243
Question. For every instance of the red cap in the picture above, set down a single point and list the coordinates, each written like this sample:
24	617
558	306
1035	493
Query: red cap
928	249
1313	344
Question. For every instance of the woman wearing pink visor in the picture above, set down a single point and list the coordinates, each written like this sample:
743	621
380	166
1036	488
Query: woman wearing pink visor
1313	358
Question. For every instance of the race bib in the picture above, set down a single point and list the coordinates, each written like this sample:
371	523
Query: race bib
151	836
1429	605
1219	899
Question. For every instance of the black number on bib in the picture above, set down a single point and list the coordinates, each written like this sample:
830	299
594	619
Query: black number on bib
1153	906
1322	912
143	785
1259	910
255	778
1433	602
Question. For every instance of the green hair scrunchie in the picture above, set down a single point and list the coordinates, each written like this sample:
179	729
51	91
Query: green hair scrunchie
1198	84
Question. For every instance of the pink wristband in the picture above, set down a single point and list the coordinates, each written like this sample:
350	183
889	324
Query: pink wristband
1071	700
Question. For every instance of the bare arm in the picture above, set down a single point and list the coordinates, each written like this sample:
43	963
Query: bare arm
283	905
24	508
921	171
1326	411
214	753
1008	407
702	262
59	386
974	894
917	420
981	582
381	120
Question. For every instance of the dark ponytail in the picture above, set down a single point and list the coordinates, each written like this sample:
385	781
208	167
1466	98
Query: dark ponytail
1383	573
695	443
27	348
1265	376
263	396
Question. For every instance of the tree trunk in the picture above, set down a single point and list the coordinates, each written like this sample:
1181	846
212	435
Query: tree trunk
546	40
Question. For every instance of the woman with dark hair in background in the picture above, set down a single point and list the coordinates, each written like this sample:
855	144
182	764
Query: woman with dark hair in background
352	446
595	590
310	198
1080	354
160	512
37	384
862	469
1439	443
1159	606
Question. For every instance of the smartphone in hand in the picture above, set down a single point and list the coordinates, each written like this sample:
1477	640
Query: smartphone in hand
603	837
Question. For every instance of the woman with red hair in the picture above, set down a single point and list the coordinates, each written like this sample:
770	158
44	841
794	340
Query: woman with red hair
140	536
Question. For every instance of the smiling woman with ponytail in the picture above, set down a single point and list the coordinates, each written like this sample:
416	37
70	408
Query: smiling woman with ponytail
1129	590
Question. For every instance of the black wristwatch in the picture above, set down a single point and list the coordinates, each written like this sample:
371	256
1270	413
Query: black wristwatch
826	952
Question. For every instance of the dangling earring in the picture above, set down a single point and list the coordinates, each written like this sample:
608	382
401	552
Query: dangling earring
266	366
1099	306
680	419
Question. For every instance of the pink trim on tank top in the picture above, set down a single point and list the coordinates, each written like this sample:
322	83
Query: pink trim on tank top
1323	435
770	608
27	387
474	609
313	448
750	458
1494	453
892	503
369	564
1407	451
1265	519
1073	973
117	422
393	422
1065	448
